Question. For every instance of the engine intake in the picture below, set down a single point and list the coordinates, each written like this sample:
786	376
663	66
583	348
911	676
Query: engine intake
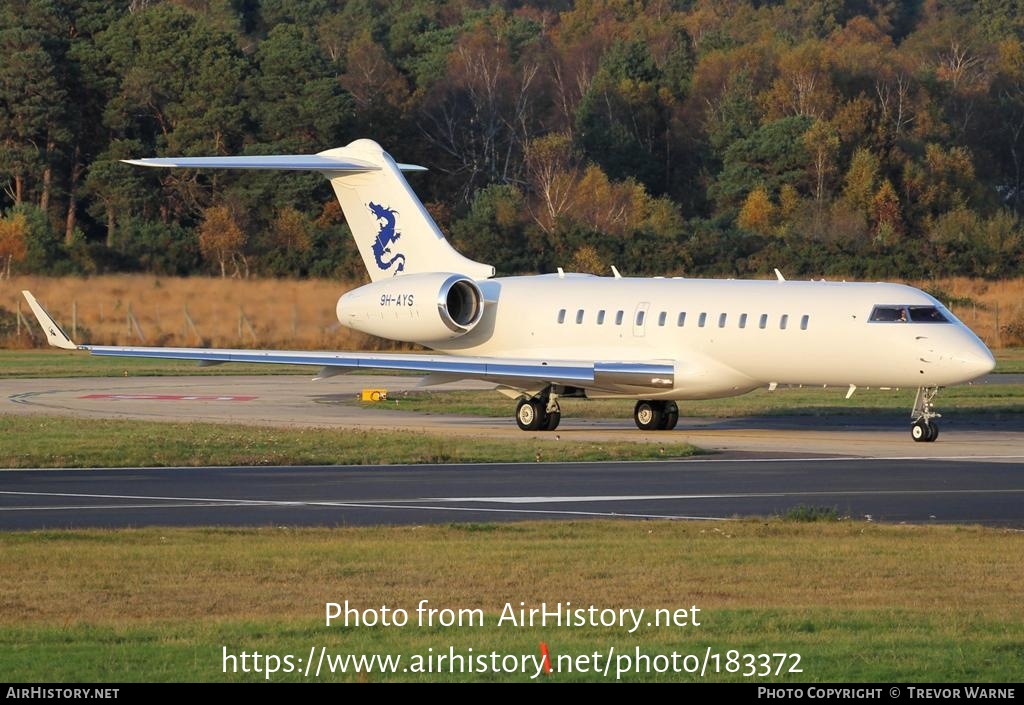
460	304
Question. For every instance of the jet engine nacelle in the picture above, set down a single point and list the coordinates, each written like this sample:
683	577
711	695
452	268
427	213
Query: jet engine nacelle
418	308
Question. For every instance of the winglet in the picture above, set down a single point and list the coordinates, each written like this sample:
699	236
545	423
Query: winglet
55	335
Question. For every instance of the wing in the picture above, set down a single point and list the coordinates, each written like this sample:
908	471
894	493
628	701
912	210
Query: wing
512	372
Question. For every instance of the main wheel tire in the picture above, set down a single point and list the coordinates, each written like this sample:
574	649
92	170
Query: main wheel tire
552	422
921	431
933	432
647	415
671	416
529	414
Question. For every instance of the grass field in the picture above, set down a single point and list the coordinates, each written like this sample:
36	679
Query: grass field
1010	360
857	601
42	441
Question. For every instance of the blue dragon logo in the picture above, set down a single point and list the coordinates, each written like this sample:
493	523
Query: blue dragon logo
386	237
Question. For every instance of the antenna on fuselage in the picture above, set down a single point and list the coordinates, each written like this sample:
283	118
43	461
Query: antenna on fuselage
778	275
616	272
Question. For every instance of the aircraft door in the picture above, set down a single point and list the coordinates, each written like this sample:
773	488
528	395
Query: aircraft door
640	319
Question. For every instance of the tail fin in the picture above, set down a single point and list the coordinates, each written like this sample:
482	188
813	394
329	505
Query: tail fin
392	229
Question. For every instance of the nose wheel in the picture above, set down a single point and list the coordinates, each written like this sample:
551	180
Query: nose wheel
925	430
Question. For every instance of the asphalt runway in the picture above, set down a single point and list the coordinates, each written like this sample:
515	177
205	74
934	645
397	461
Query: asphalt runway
864	466
956	490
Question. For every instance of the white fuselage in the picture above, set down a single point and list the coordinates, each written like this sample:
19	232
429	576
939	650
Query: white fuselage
724	337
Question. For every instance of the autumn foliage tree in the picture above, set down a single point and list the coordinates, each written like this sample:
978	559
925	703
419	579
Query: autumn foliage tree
221	240
757	212
886	219
874	138
13	242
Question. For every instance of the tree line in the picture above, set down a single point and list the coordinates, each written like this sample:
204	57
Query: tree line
863	138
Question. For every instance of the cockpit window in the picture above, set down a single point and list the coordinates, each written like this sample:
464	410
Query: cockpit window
927	314
887	314
907	314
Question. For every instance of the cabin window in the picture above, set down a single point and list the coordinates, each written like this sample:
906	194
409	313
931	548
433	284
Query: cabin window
743	320
702	320
763	323
640	317
579	317
682	319
561	316
661	318
804	320
618	318
721	320
783	321
600	317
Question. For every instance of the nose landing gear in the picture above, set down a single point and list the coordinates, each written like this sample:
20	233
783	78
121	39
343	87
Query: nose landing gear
925	430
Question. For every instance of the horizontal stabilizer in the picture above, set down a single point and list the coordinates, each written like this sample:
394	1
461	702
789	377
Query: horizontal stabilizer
392	229
287	162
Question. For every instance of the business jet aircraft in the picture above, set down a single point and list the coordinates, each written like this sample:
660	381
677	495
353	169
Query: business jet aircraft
541	338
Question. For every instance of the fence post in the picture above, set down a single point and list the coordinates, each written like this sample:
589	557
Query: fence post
22	321
243	319
133	323
189	323
998	339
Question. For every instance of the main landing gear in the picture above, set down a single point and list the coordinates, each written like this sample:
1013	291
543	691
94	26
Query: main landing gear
925	430
539	413
656	415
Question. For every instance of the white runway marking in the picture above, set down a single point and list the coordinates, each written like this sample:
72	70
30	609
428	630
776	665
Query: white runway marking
177	502
65	507
752	495
598	498
222	500
830	459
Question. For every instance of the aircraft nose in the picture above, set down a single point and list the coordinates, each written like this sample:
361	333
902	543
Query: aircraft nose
977	360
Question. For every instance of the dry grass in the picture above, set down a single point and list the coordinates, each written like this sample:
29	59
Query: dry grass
988	307
282	312
300	313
